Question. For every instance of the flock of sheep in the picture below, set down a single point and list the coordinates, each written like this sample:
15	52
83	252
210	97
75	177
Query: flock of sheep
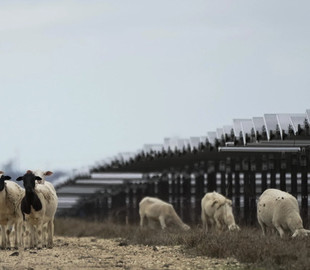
276	209
28	212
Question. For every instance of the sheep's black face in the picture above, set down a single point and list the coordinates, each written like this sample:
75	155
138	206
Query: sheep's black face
2	179
29	181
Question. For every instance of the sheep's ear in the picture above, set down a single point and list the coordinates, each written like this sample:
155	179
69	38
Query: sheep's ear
229	202
48	173
19	178
6	177
214	203
38	178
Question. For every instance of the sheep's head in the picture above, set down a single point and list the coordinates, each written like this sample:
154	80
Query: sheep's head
2	179
42	175
29	180
301	233
186	227
233	227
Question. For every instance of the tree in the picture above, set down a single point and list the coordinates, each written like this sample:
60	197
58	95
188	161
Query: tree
222	141
307	127
258	136
271	135
253	137
232	135
290	131
240	141
299	130
208	144
277	133
264	133
247	138
216	143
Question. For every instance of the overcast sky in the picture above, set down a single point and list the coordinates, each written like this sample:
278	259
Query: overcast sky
82	81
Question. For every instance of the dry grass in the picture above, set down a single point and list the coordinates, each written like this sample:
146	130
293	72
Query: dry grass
247	246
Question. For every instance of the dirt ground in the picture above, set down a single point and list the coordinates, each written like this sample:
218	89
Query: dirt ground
92	253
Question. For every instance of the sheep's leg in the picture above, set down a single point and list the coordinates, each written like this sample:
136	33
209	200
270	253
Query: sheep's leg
8	232
50	234
44	235
39	236
18	234
3	237
162	222
142	220
27	236
151	223
33	236
204	222
218	224
263	226
280	230
211	223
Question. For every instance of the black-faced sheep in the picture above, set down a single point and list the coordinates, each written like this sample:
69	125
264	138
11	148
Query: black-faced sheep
39	206
278	209
154	209
216	212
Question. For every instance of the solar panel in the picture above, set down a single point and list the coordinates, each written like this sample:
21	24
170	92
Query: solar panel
237	126
219	133
298	119
246	128
227	129
194	142
211	136
258	123
271	122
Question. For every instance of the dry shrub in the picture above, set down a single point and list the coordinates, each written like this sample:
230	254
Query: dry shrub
247	246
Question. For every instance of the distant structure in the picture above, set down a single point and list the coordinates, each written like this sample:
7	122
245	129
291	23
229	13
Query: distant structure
240	161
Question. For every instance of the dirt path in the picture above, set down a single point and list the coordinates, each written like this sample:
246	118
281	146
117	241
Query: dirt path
92	253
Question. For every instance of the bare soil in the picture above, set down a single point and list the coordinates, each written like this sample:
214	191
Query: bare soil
93	253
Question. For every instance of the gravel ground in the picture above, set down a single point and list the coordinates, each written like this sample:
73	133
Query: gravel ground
92	253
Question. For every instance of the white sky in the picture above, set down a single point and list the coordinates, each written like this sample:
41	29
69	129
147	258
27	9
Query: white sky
82	81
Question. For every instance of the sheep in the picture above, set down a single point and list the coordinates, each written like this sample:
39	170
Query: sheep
216	212
39	206
278	209
11	195
42	175
155	209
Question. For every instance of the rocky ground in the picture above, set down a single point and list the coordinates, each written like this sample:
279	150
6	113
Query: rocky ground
93	253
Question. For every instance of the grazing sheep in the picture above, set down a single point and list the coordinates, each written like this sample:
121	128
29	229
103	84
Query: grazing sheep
39	206
279	209
216	212
157	210
11	195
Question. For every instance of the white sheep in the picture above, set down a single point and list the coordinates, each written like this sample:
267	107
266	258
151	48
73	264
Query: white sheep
11	195
39	206
157	210
216	212
278	209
